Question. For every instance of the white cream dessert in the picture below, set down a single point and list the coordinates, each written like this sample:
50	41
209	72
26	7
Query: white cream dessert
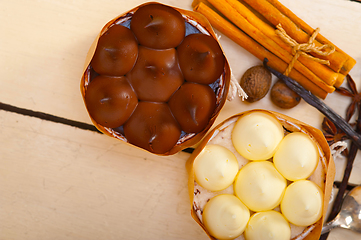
215	168
302	203
260	186
269	225
222	136
296	157
256	135
225	216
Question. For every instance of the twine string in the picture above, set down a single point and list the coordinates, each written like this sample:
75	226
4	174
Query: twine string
304	48
235	89
335	151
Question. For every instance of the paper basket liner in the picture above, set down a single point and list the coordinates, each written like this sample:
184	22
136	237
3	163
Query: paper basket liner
312	232
202	24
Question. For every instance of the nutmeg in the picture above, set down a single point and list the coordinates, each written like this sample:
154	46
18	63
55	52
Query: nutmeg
256	82
283	96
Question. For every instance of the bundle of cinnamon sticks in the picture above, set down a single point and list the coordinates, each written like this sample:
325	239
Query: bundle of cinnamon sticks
253	23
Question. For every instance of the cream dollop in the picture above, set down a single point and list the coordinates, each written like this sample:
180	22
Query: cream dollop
269	225
259	186
297	156
256	135
225	216
302	203
215	168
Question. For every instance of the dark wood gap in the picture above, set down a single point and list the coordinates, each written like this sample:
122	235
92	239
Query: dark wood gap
48	117
56	119
188	150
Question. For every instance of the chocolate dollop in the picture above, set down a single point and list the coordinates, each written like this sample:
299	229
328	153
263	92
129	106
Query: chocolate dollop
110	100
152	127
200	58
193	105
158	26
156	75
116	52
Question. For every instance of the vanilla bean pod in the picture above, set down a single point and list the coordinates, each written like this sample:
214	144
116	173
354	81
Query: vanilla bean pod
346	176
318	104
340	123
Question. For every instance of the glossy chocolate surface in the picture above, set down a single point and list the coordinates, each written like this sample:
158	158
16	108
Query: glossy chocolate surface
200	58
193	105
116	52
158	26
152	127
156	75
110	100
136	88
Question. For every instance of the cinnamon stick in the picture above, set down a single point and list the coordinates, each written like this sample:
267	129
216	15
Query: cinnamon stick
276	13
245	41
350	62
196	2
242	17
320	70
339	80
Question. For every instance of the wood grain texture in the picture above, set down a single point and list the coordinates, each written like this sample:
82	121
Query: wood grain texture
61	182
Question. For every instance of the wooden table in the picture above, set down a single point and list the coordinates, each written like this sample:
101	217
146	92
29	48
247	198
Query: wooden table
58	181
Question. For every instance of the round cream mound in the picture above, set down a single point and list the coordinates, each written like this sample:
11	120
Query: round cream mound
302	203
260	186
225	216
296	157
215	168
269	225
256	135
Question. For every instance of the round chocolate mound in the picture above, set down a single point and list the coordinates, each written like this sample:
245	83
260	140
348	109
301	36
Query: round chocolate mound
152	127
193	105
116	52
156	75
158	26
200	58
110	100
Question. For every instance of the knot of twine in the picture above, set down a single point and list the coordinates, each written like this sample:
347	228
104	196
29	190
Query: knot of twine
337	152
304	48
235	89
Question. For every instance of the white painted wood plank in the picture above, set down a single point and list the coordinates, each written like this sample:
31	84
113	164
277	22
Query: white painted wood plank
59	182
45	44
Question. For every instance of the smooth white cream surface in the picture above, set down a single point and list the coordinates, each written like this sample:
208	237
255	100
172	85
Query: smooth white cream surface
225	216
269	225
296	157
302	203
256	135
223	137
215	168
260	186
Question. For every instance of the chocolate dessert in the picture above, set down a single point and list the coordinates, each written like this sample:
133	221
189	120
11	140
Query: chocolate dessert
157	79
